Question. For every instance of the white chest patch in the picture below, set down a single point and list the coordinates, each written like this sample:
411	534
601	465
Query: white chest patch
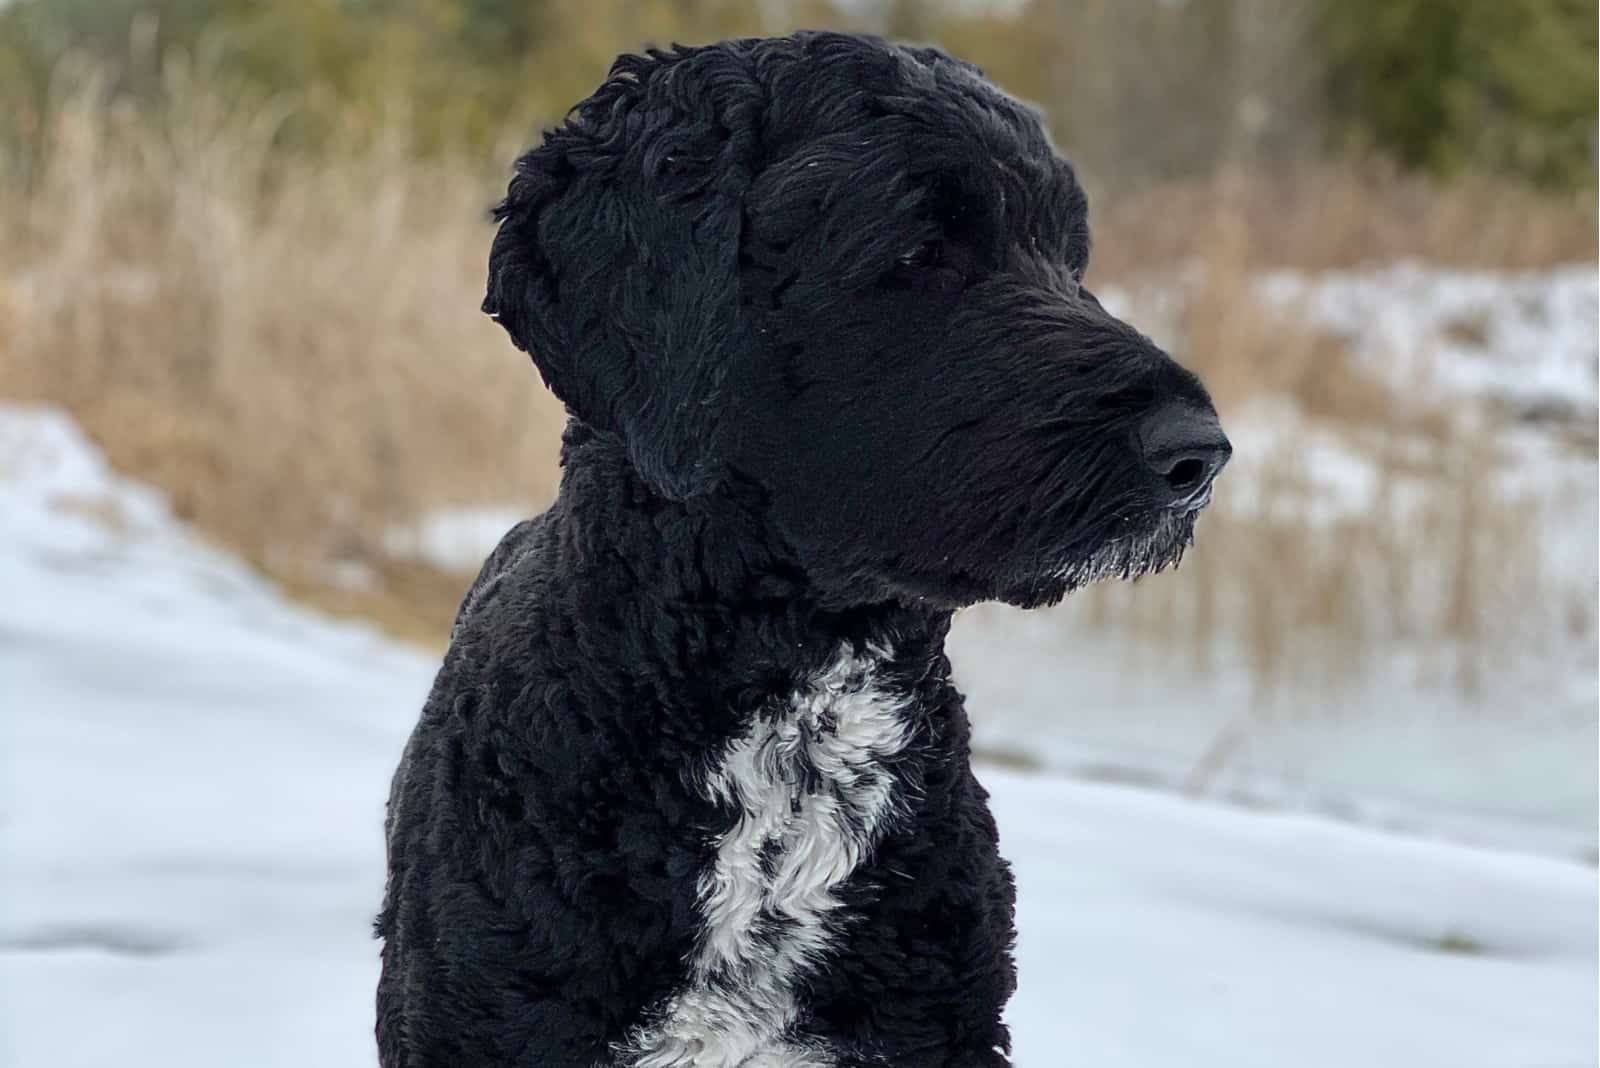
812	793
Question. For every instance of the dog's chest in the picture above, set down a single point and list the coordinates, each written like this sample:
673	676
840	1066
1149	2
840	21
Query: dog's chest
810	789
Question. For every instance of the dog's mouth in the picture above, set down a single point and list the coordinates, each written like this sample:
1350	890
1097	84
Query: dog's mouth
1157	545
1147	547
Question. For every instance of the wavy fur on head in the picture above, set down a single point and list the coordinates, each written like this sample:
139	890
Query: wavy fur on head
692	788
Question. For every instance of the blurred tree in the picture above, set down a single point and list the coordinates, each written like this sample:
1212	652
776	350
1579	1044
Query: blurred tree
1139	91
1447	85
1136	91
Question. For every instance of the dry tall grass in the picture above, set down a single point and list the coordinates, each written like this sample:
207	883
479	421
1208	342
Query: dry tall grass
291	348
1350	214
1309	578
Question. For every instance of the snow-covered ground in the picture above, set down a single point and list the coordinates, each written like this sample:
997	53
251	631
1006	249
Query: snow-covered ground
454	539
193	773
1526	336
1512	766
1523	337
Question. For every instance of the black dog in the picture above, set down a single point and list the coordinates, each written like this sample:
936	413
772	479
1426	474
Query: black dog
692	789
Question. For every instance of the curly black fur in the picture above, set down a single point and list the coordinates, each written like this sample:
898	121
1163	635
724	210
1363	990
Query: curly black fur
815	306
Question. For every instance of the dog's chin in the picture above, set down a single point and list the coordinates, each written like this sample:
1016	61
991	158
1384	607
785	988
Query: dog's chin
1153	546
1136	549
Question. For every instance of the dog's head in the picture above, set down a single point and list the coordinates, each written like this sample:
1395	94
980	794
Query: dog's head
851	273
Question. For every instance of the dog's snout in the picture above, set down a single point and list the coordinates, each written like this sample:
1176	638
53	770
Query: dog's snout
1185	446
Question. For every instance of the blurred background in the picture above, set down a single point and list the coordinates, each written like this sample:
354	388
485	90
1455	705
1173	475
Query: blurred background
255	439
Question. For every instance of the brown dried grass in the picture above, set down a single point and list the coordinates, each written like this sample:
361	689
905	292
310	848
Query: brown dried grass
1438	559
1336	215
291	348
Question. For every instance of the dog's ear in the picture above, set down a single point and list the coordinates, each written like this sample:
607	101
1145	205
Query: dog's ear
616	262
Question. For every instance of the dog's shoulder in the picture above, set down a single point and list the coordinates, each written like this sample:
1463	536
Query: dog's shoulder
534	861
467	706
516	554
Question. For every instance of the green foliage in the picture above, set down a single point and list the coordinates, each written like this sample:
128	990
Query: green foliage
450	74
1505	86
1137	89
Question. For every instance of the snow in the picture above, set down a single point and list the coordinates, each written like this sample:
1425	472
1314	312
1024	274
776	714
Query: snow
455	539
1512	767
1159	932
1332	479
194	772
1523	336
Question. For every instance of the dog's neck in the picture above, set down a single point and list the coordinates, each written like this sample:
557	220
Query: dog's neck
705	585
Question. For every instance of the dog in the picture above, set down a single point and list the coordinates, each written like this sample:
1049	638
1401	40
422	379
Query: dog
692	788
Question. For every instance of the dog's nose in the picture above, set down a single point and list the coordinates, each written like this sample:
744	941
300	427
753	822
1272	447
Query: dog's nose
1185	447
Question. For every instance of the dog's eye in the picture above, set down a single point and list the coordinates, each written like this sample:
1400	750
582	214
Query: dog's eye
938	265
927	254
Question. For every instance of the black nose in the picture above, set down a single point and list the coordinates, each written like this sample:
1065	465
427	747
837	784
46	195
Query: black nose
1185	447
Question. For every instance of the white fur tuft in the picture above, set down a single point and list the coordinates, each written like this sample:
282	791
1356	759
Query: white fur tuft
813	792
